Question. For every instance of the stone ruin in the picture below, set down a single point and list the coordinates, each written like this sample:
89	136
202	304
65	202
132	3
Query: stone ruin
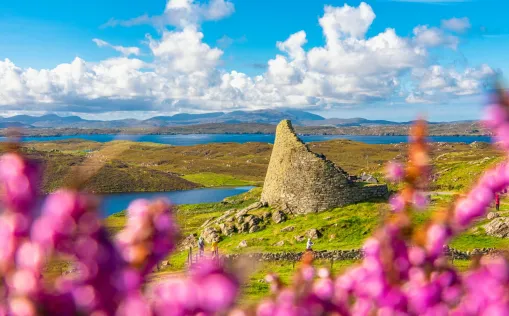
300	181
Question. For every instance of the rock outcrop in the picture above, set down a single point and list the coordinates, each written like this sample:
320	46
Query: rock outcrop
499	227
300	181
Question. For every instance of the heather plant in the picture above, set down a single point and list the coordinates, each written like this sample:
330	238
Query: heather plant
404	270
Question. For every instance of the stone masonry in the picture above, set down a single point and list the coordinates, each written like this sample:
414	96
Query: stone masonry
300	181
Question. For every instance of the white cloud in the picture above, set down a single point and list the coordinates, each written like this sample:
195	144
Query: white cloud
181	13
433	37
439	83
126	51
350	68
184	51
456	24
346	21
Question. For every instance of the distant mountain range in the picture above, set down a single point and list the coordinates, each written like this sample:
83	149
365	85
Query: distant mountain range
299	118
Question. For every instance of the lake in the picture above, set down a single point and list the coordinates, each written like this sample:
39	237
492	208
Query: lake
114	203
195	139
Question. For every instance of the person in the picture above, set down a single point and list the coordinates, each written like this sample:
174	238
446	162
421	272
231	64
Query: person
497	201
201	246
215	251
309	244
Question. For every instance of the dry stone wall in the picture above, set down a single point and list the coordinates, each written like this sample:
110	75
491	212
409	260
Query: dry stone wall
354	254
301	181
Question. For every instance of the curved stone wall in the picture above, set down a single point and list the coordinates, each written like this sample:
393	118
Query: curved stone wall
301	181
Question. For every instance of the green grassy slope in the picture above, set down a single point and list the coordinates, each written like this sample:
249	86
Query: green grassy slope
240	164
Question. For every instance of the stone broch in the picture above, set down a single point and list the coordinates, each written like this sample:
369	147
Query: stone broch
300	181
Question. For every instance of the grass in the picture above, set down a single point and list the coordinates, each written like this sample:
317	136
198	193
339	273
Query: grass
342	228
133	167
210	179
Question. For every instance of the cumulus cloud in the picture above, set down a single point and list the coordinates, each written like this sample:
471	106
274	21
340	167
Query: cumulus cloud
184	51
456	24
181	13
349	68
126	51
437	83
433	37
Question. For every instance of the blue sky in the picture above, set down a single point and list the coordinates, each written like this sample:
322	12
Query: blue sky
46	34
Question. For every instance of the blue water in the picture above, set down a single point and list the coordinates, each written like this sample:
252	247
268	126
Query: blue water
195	139
114	203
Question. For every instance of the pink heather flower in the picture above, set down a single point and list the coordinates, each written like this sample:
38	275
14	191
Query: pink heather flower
62	203
266	308
138	209
129	280
21	306
424	296
466	210
308	273
496	309
495	115
416	255
497	267
420	200
218	292
394	171
18	180
30	256
134	304
85	296
502	136
371	247
324	288
397	203
437	236
22	282
482	195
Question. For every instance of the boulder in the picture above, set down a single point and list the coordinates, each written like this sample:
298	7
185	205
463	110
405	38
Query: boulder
242	227
189	241
251	207
210	234
280	243
313	233
278	217
266	216
288	229
300	238
254	229
224	216
227	229
492	215
252	220
207	223
499	227
243	244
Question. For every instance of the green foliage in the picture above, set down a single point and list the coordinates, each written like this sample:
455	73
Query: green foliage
210	179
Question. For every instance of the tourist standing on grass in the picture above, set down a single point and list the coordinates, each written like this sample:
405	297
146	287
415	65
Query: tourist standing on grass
497	201
309	244
201	246
215	251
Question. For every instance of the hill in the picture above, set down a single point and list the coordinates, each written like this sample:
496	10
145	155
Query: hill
234	164
220	120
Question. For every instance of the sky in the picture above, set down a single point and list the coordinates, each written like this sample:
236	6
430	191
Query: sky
381	59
